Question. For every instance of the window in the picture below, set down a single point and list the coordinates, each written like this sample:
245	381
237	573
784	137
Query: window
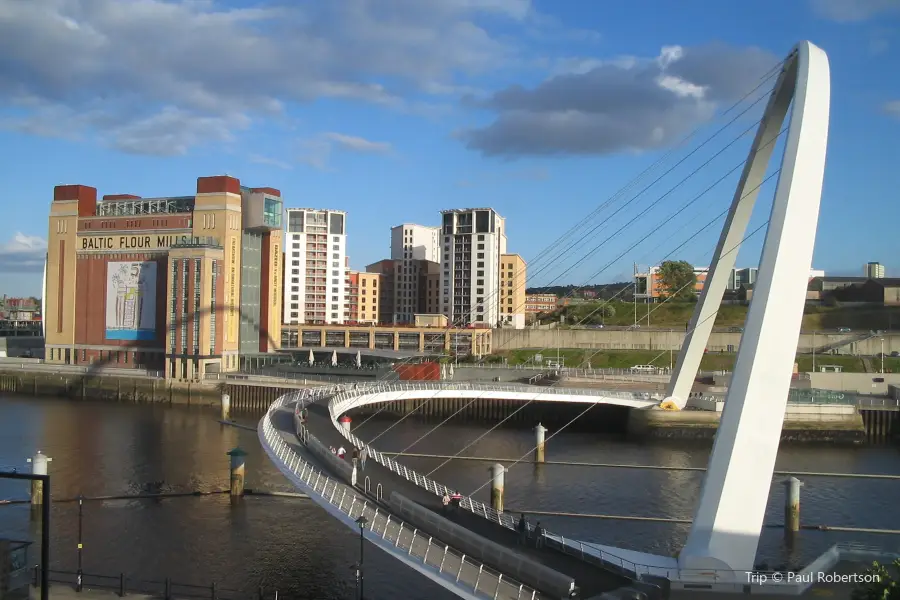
480	255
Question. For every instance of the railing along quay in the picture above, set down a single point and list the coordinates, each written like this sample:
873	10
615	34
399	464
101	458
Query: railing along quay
381	527
166	589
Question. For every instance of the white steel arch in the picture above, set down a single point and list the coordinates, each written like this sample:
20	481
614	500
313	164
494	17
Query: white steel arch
729	518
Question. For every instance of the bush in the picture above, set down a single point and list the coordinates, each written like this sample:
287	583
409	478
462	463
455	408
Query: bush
885	586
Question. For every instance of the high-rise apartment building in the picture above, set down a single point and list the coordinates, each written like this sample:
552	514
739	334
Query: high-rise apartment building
315	266
512	291
415	249
473	240
874	270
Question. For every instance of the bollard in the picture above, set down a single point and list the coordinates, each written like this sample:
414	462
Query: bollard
539	432
792	504
497	472
38	467
226	407
237	472
345	423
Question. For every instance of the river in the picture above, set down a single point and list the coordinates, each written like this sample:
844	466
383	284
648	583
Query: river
293	546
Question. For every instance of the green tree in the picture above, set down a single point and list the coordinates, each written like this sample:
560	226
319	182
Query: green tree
883	585
678	279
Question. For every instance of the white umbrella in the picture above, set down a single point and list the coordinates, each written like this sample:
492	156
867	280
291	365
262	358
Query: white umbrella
312	358
358	360
334	358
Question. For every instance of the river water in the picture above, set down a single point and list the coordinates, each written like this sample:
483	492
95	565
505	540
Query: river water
293	546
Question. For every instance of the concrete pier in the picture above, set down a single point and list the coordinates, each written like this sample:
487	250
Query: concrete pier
497	481
539	432
226	407
238	462
39	464
792	505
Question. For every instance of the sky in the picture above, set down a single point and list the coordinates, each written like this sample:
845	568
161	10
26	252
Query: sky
628	121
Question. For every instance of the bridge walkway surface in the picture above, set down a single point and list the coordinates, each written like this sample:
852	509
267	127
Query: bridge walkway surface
590	578
452	568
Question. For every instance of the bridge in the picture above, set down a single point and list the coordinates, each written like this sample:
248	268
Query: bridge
721	547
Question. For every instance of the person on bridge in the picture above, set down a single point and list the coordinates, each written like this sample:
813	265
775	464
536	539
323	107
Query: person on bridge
538	536
445	501
522	529
363	455
355	456
341	452
455	500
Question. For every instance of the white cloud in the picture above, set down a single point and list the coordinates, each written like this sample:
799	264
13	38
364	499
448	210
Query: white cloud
892	108
317	151
23	254
627	104
268	160
195	71
358	144
848	11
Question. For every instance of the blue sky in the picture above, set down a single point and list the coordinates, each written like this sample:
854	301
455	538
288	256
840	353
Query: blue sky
395	109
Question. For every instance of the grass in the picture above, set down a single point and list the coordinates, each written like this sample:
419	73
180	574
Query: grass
677	314
624	359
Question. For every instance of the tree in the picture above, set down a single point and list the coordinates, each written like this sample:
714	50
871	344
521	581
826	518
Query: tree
881	583
677	279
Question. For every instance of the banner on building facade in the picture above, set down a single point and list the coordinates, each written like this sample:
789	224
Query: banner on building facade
131	300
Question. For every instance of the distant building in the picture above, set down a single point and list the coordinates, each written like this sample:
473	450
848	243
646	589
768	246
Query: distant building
540	303
512	291
362	297
473	241
649	286
387	269
315	255
874	270
416	252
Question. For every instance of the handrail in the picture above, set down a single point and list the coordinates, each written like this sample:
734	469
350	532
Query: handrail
586	551
415	545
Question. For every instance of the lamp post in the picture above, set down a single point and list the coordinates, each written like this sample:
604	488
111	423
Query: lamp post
79	582
882	356
362	521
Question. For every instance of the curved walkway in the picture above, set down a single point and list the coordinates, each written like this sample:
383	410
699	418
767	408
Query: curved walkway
439	562
377	482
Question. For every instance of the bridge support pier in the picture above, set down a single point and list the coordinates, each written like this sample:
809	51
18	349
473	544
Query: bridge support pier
226	407
791	505
539	431
497	477
237	467
38	467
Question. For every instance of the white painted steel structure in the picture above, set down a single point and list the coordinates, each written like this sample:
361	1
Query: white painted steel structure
727	524
364	395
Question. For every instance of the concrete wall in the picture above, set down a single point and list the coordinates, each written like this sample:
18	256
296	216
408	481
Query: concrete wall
861	383
618	339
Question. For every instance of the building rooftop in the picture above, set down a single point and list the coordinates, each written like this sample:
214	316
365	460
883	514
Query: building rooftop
463	210
331	210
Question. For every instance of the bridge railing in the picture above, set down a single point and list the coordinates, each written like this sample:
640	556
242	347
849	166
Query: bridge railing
586	551
384	528
583	550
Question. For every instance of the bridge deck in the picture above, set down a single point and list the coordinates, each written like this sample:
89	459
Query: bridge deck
592	580
449	564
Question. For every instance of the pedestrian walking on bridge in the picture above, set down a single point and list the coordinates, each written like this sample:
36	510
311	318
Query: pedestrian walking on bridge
363	455
522	529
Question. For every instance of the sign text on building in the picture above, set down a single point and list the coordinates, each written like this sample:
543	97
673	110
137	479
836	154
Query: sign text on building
131	242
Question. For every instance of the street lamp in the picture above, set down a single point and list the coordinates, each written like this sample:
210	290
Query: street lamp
882	356
79	582
362	521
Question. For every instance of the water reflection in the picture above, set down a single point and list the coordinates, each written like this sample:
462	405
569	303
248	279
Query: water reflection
291	545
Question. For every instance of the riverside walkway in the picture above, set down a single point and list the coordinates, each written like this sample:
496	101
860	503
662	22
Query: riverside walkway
377	483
